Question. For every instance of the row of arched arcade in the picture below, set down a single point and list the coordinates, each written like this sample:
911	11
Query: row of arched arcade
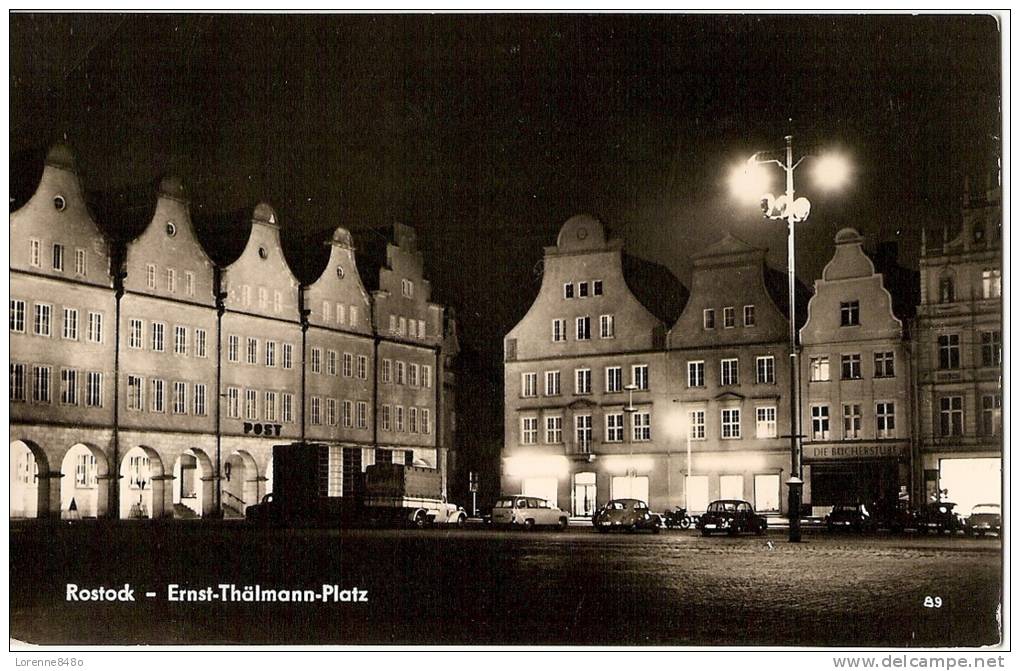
79	486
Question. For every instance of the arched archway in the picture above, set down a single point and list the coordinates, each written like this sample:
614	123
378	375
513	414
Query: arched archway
85	482
141	484
240	483
30	482
193	484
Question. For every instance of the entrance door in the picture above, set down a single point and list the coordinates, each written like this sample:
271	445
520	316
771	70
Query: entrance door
584	494
543	488
766	493
631	487
969	482
731	487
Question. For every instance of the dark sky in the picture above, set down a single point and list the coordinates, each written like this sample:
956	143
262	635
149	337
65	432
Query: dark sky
486	132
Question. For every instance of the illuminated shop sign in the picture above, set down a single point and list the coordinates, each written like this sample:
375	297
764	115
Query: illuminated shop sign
853	451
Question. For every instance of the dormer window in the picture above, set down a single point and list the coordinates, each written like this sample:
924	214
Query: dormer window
568	290
582	289
596	288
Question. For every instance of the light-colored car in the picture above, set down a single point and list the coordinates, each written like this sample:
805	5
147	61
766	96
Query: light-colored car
985	518
527	512
626	515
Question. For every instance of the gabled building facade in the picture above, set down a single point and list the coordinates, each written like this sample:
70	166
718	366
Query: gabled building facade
856	386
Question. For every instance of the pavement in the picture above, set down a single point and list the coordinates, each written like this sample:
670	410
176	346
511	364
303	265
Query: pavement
483	586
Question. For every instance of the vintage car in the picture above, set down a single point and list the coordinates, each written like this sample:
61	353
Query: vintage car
853	517
626	515
731	516
527	512
984	518
937	517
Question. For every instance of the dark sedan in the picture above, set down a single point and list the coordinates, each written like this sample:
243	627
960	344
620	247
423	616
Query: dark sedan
852	517
938	517
732	517
626	515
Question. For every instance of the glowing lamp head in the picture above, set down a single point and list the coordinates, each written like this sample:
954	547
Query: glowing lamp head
831	171
748	181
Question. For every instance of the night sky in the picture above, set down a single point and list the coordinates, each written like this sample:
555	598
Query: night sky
486	132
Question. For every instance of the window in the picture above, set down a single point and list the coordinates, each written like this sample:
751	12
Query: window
398	418
331	411
135	392
18	382
341	315
363	369
951	416
708	318
400	372
426	376
199	399
180	403
158	396
58	257
559	330
17	316
584	328
596	288
991	348
696	428
949	351
70	324
554	430
331	359
582	289
529	384
729	371
316	360
529	430
412	328
277	301
43	315
271	354
765	422
95	327
552	383
245	295
819	422
326	306
614	427
426	423
642	426
947	289
850	313
731	423
150	276
287	408
393	323
885	419
991	283
385	418
34	253
749	315
348	364
407	288
361	417
269	406
94	389
387	371
568	290
991	414
180	340
80	262
263	298
850	365
41	384
421	328
85	471
582	381
765	370
288	355
158	344
189	283
171	280
252	348
729	319
607	326
885	364
232	346
639	376
316	410
582	432
851	421
402	326
819	369
614	379
233	402
695	373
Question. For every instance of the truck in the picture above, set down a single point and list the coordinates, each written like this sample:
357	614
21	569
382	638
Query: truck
309	490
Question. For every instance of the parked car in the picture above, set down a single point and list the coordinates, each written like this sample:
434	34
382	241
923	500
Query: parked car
731	516
527	512
626	515
984	518
938	517
896	517
855	517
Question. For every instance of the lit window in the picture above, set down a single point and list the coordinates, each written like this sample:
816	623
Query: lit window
819	369
991	283
885	419
819	422
697	425
765	422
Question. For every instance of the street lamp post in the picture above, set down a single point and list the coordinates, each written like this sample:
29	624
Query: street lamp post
832	172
